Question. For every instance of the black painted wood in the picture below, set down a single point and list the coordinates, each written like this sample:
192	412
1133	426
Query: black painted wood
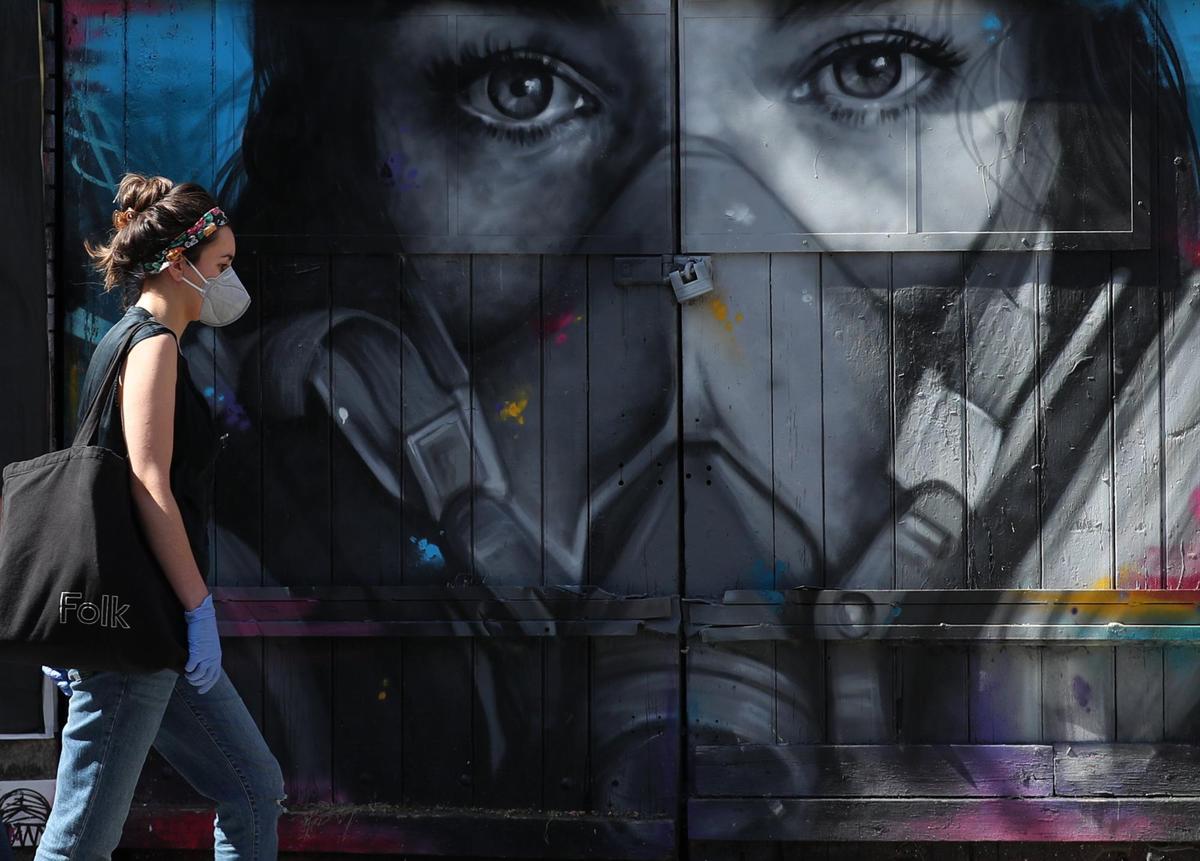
295	443
996	819
24	355
24	358
881	771
367	719
1102	768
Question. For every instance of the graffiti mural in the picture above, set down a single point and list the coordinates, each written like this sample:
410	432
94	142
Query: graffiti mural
949	347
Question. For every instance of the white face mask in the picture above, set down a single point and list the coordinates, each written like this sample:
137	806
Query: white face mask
225	299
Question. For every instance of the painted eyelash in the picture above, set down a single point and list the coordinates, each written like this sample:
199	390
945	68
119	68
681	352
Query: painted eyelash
936	51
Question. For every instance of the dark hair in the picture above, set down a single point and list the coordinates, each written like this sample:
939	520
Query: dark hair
151	211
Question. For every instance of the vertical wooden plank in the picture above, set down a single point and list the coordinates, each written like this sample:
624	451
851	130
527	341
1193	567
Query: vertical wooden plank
731	694
797	482
856	359
1140	693
238	481
436	309
861	696
633	538
930	420
295	442
242	658
633	543
364	399
1000	319
24	365
930	474
1137	421
507	726
506	366
933	697
564	417
1078	700
1137	481
297	722
796	401
1005	694
857	378
506	519
728	492
1074	396
563	330
1181	712
436	720
437	706
727	406
564	721
367	752
800	691
635	725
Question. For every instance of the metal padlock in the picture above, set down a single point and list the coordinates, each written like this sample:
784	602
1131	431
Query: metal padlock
695	279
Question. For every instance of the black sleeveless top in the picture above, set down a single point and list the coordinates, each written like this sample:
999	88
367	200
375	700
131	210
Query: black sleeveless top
196	444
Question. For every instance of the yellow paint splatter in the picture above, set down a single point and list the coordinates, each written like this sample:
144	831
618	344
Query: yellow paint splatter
720	312
515	410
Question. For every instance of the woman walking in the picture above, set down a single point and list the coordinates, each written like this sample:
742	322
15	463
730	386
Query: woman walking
173	250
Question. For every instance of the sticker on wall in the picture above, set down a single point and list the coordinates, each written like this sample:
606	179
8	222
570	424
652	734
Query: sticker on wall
24	808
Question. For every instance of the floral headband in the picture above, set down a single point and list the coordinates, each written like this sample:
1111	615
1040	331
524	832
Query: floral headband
204	227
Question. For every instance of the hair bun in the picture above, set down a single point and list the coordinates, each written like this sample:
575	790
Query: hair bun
122	217
137	193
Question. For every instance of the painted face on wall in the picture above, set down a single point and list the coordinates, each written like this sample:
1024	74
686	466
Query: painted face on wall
852	124
508	129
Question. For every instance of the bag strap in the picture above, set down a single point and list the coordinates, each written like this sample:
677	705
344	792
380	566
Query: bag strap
91	423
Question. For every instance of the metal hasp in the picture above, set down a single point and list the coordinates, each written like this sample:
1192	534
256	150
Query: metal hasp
692	279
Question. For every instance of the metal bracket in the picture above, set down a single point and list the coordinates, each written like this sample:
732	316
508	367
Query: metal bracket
690	276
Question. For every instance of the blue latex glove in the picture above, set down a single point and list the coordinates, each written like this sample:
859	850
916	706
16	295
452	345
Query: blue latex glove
60	678
204	646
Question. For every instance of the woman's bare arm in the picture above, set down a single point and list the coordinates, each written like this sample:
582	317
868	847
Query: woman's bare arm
146	394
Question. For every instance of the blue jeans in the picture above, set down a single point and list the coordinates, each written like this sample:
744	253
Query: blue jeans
210	739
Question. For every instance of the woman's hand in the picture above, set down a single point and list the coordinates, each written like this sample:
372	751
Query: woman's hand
204	646
60	678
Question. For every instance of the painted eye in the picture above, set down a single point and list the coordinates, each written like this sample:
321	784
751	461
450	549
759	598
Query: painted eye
883	72
526	92
866	75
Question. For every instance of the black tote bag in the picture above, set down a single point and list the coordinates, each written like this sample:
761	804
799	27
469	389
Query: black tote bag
79	584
